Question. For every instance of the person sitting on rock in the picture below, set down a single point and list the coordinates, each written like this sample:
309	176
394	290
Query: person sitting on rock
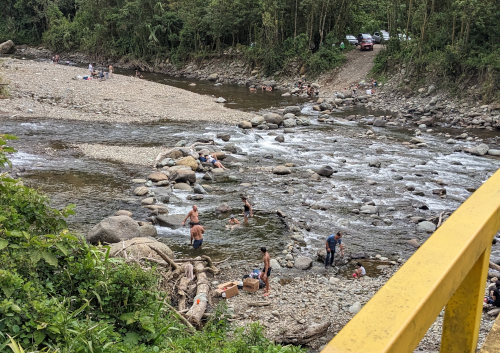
359	271
214	161
202	158
233	223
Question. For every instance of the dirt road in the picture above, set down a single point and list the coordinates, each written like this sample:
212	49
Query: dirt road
358	65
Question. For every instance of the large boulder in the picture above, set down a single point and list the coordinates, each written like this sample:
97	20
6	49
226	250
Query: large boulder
188	161
479	150
257	120
368	209
171	221
325	171
289	123
303	263
148	230
157	176
245	124
7	47
138	248
113	229
294	109
273	118
183	176
281	170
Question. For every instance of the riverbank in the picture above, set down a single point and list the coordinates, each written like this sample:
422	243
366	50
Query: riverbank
59	92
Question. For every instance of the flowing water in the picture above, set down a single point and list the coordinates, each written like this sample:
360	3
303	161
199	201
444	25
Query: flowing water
99	187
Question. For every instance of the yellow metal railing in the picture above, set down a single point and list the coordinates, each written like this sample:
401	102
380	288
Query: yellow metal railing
449	269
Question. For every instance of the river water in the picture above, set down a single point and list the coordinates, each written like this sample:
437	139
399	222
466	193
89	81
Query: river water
99	188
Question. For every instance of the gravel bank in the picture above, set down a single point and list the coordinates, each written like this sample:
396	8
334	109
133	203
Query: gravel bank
52	91
125	154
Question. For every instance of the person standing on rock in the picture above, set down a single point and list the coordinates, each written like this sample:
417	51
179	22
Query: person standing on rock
266	271
331	243
247	209
197	236
193	217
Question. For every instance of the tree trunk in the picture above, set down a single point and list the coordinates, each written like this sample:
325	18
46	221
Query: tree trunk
195	313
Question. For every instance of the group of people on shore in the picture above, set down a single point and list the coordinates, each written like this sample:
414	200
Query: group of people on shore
307	88
264	88
99	74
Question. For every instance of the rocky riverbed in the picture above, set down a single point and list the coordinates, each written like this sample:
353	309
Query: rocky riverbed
386	187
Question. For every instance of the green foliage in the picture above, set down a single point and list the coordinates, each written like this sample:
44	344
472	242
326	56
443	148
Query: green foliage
58	293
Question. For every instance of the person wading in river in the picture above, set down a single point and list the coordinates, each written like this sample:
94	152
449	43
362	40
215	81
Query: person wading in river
266	271
197	236
193	217
247	209
331	243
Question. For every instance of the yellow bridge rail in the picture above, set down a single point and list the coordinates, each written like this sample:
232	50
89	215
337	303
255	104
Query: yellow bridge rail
449	269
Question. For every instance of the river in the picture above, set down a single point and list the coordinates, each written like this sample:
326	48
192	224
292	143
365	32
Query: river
402	187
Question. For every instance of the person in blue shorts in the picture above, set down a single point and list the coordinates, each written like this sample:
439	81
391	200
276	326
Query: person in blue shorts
197	236
331	243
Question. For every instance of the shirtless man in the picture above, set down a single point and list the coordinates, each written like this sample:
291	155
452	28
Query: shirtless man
197	236
193	217
266	271
233	223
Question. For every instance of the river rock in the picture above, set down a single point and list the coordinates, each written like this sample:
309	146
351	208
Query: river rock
141	191
162	194
289	123
219	155
273	118
379	122
413	242
148	201
288	116
280	138
183	187
271	126
303	263
368	209
198	189
188	161
213	77
183	176
281	170
113	229
299	238
257	120
138	248
275	265
223	136
325	106
157	176
139	181
479	150
303	121
374	163
7	47
224	208
294	109
123	213
171	221
148	230
325	171
493	152
355	308
245	124
426	226
166	162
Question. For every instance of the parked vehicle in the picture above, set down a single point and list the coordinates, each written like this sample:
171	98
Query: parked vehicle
402	37
351	39
380	37
365	41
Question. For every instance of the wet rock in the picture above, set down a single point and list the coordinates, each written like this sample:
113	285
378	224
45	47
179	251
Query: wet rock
325	171
231	147
157	176
374	163
183	176
148	230
171	221
280	138
141	191
148	201
113	229
289	123
303	121
245	124
272	126
273	118
426	226
294	109
257	120
7	47
288	116
494	152
195	197
440	192
479	150
162	195
325	106
183	187
224	137
281	170
303	263
288	130
368	209
198	189
379	122
157	209
123	213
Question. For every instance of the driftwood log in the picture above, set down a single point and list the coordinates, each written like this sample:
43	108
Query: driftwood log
195	313
165	257
182	292
304	337
494	266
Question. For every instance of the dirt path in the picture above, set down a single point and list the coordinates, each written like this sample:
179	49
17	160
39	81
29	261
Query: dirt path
358	65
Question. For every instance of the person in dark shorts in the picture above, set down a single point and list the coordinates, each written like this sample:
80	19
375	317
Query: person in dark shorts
247	209
266	271
193	217
197	236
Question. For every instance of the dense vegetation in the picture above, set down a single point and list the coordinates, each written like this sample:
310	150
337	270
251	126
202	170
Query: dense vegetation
57	293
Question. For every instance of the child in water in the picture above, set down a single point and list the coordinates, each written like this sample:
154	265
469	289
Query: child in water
359	271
